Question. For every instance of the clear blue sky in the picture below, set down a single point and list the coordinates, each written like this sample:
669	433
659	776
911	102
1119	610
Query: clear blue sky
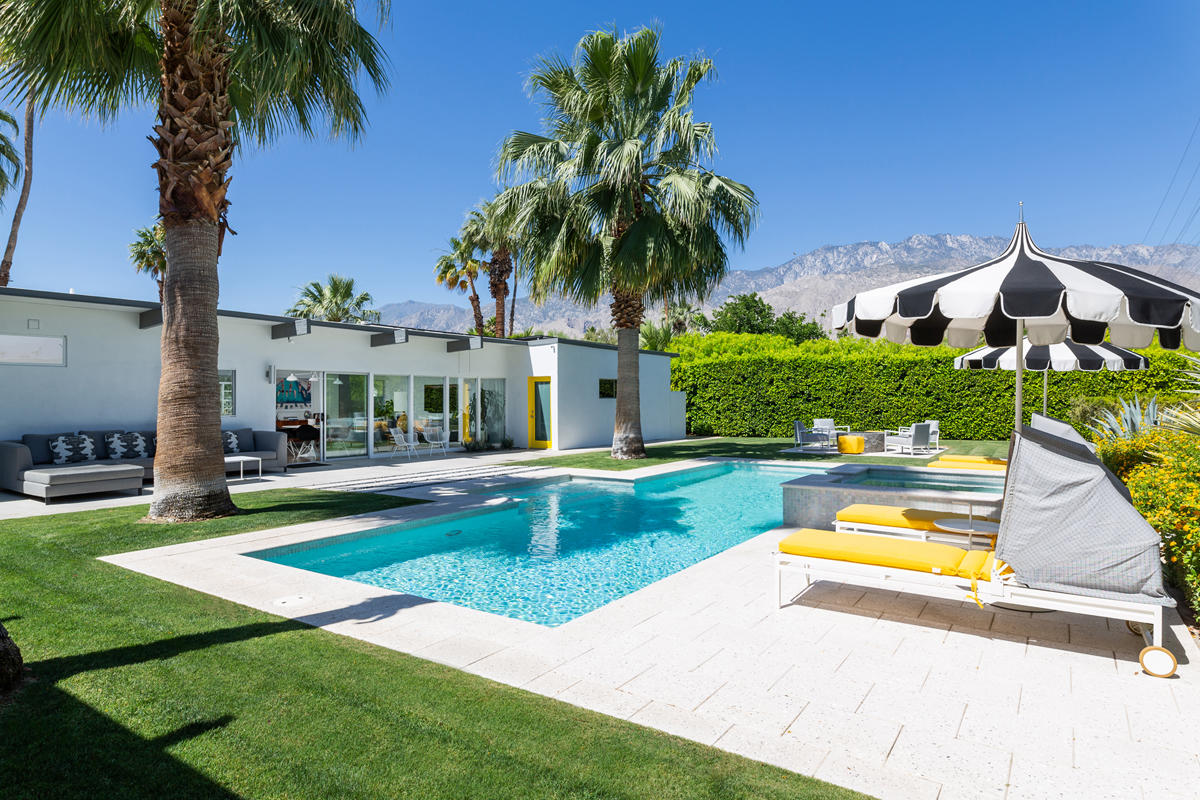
852	121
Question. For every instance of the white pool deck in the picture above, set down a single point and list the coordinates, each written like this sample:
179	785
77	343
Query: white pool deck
893	695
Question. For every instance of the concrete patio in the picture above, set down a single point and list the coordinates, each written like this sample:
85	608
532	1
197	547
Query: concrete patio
893	695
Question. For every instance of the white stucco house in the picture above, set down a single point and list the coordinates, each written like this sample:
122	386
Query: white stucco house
72	362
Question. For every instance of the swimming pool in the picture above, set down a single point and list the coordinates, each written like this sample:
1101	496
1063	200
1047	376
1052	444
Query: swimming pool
563	548
965	482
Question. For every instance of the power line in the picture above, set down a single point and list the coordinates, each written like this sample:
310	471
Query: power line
1171	185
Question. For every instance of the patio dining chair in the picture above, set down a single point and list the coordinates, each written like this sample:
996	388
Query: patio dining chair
401	441
908	441
435	438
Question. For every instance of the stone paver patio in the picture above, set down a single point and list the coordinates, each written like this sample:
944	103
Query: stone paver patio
893	695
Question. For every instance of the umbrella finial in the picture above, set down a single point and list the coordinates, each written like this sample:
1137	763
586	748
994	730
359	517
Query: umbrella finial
1020	211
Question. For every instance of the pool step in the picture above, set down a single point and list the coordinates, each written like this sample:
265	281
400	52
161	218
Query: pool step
390	483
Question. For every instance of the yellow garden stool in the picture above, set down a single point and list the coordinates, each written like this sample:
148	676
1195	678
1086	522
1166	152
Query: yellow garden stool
851	444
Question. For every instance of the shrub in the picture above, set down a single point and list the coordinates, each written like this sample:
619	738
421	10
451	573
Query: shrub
1123	455
1085	408
734	389
1167	493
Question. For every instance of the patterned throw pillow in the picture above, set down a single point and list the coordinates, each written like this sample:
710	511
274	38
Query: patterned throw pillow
126	445
231	442
72	449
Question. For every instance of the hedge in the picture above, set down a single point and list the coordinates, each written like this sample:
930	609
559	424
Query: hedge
872	388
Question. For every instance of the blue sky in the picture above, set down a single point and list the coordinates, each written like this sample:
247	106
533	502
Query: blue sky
852	121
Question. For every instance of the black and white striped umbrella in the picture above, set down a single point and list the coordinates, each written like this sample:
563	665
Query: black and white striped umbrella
1027	289
1065	356
1051	297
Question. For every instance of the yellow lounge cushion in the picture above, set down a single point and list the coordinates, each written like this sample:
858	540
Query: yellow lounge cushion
917	519
974	459
851	444
888	551
942	463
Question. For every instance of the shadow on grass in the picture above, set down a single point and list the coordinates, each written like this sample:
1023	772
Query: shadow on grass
56	746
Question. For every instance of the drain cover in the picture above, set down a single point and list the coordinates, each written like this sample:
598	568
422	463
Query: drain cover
294	600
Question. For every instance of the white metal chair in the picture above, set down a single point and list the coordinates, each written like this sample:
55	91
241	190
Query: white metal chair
827	427
401	441
908	440
806	437
436	438
934	443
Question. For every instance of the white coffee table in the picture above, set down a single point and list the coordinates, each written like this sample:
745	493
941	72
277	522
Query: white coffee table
968	527
241	461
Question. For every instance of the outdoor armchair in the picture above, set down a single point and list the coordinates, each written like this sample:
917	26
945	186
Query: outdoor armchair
916	438
806	437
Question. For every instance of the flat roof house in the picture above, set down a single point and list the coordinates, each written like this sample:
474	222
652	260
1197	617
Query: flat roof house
73	362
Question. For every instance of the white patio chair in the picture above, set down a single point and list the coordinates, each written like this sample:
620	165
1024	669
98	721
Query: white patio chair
916	438
806	437
934	442
827	427
401	441
436	438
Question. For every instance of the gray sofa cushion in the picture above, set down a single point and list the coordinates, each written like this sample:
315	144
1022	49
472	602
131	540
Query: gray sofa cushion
245	439
100	441
39	445
55	475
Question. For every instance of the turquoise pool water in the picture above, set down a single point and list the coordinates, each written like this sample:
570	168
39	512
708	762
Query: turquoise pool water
966	482
566	548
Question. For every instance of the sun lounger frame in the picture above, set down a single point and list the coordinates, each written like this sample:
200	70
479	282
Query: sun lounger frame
999	589
987	540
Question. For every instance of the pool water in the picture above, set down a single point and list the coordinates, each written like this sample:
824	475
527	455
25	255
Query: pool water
566	548
943	483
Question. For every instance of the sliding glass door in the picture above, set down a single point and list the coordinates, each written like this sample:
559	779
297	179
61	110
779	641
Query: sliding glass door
346	416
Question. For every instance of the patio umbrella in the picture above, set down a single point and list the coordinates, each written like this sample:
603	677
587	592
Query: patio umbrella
1066	356
1027	289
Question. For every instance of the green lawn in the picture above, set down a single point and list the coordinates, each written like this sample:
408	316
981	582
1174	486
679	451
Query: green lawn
145	689
748	447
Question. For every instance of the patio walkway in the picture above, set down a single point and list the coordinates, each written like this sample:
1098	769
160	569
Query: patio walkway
894	695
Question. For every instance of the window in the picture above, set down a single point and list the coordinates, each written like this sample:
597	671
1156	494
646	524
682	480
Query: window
227	379
26	349
608	387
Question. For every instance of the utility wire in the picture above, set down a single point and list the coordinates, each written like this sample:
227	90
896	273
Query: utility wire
1171	185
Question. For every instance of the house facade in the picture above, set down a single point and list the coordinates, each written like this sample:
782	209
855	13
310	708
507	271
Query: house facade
72	362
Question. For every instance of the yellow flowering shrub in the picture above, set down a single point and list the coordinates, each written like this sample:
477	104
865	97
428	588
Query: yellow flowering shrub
1122	455
1166	491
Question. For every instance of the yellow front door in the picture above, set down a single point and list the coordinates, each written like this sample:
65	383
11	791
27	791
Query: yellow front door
540	432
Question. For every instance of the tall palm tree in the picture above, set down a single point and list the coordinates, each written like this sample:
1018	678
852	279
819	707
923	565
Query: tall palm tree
490	230
616	195
148	255
457	270
26	184
219	71
334	301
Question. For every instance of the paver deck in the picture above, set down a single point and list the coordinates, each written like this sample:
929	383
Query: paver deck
894	695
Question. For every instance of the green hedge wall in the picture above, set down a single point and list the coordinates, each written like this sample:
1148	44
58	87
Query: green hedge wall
873	389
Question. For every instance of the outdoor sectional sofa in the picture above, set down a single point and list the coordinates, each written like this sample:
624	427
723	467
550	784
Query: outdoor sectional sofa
27	466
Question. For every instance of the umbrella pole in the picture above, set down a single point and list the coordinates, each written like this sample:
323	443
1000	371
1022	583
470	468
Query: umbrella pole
1045	390
1020	400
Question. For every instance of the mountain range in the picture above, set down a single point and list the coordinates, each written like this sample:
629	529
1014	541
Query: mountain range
814	282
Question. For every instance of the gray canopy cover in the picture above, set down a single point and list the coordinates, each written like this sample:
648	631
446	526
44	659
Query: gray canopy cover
1067	524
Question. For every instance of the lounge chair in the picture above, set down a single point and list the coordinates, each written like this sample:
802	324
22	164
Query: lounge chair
1070	540
910	523
908	440
986	466
806	438
973	459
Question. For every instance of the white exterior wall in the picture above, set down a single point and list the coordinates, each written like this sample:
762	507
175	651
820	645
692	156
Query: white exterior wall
111	377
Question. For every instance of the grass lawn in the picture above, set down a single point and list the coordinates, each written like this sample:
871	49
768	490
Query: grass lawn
749	447
145	689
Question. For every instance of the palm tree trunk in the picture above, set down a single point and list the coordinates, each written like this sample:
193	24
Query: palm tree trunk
512	306
26	184
160	289
628	310
195	151
498	274
12	668
474	298
189	467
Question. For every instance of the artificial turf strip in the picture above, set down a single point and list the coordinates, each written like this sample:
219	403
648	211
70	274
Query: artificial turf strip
146	689
746	447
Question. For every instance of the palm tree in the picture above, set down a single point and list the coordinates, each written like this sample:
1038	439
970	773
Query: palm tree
23	200
457	270
148	255
219	71
335	301
616	195
489	229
